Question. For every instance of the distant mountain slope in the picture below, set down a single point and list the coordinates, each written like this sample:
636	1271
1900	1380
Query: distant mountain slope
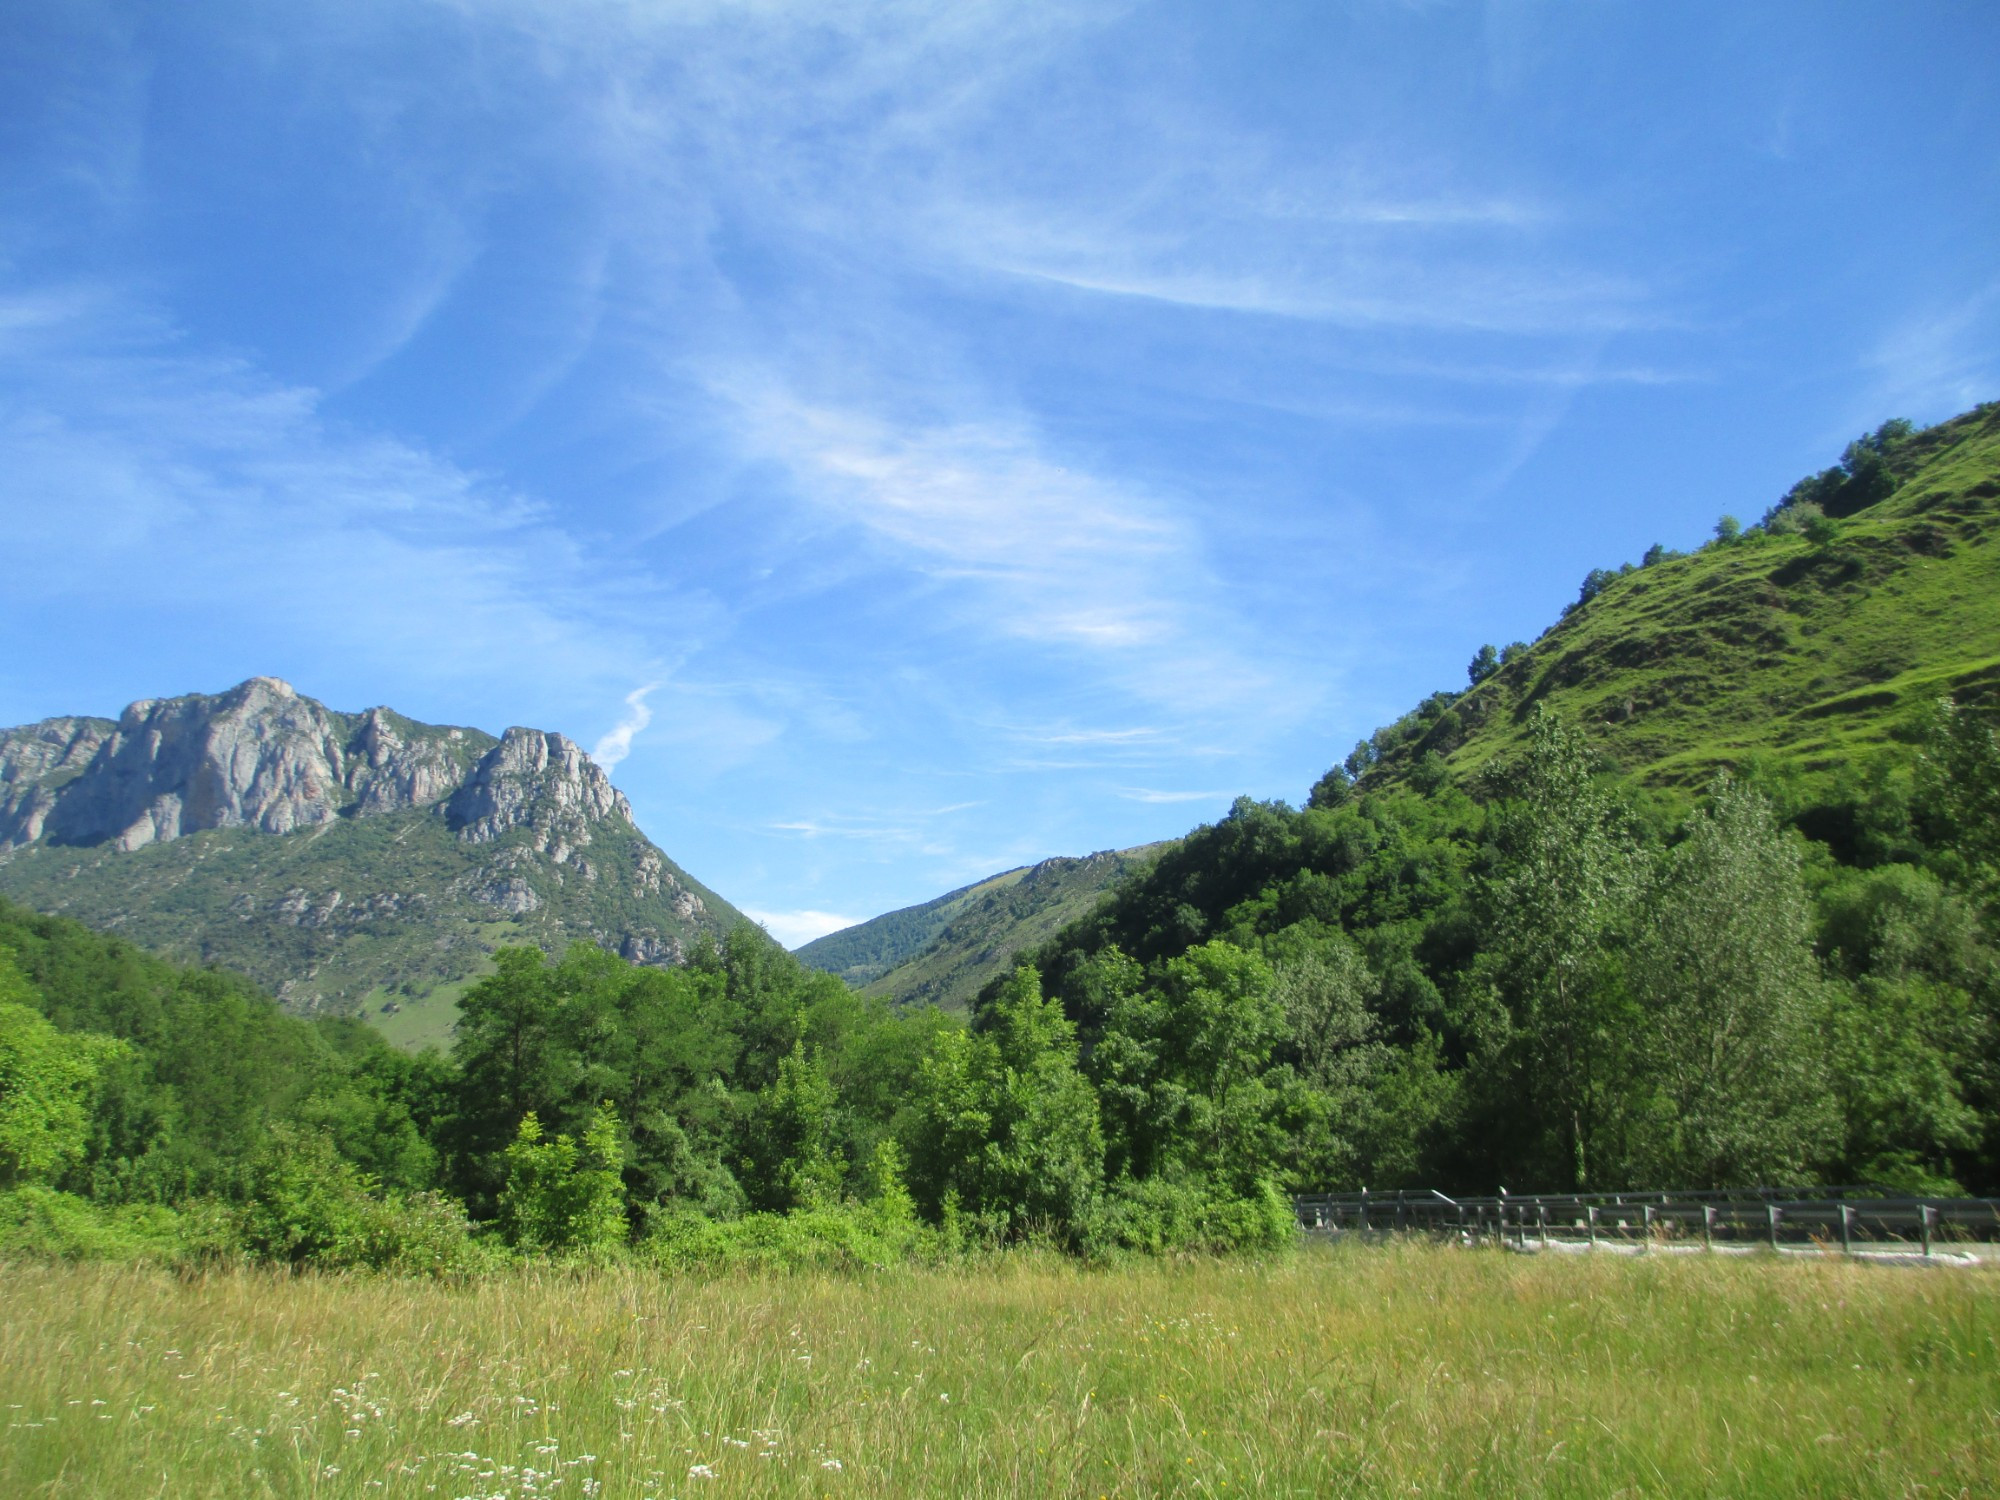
863	953
941	952
1810	649
349	862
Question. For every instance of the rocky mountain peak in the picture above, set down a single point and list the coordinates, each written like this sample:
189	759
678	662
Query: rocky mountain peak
262	755
258	755
418	848
538	780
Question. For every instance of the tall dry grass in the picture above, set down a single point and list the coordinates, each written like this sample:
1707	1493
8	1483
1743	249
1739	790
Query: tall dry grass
1374	1370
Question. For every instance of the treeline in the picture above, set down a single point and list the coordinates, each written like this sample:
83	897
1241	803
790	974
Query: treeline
1550	979
1544	980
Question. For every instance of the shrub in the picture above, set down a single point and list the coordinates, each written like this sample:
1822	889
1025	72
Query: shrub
1156	1215
310	1207
1793	518
561	1195
39	1223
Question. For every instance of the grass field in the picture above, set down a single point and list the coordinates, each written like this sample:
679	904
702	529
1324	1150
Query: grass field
1372	1370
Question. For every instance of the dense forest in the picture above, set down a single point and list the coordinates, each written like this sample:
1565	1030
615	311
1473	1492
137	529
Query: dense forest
1522	968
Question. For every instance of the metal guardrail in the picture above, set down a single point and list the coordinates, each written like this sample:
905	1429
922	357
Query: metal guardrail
1853	1217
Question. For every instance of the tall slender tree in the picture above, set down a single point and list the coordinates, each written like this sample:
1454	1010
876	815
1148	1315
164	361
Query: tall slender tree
1563	890
1734	1051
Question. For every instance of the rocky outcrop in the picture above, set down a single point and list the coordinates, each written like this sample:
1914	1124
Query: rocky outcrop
393	763
542	782
259	756
35	762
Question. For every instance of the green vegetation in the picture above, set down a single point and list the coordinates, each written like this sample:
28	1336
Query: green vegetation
1377	1371
1506	964
942	952
1808	656
367	915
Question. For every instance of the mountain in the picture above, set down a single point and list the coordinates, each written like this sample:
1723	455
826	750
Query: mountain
942	952
352	863
1806	644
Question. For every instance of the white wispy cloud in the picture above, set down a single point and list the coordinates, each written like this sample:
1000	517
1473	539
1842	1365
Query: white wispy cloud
617	741
159	481
1066	556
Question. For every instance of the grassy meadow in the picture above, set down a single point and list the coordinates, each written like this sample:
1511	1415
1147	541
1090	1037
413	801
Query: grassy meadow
1403	1369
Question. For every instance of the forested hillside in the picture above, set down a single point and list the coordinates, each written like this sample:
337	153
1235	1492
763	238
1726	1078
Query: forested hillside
1698	888
1720	948
942	952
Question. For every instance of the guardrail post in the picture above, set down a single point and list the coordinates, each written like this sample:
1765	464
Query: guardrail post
1846	1230
1648	1225
1773	1213
1590	1212
1929	1217
1708	1226
1364	1210
1542	1221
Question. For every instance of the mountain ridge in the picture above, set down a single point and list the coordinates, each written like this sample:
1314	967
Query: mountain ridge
348	861
942	951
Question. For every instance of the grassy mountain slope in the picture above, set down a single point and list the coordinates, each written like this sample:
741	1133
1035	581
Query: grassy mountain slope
1809	655
863	953
942	952
385	915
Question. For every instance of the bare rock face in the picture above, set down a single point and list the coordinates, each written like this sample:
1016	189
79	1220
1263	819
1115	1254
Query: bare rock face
258	755
35	762
651	948
391	768
543	782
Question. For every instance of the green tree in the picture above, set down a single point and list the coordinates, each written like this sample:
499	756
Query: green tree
1557	901
1734	1052
1485	662
1909	1038
46	1082
1006	1125
798	1133
1326	995
1958	793
1188	1071
562	1195
508	1048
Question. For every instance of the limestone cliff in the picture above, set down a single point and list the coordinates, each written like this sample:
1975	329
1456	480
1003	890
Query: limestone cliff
350	861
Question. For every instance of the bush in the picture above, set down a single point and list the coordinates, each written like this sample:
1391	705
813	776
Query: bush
1792	519
562	1196
39	1223
1156	1216
309	1207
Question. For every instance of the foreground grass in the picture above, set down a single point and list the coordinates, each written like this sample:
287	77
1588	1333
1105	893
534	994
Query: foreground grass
1367	1371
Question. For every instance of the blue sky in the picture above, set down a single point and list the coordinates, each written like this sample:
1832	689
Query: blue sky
915	440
